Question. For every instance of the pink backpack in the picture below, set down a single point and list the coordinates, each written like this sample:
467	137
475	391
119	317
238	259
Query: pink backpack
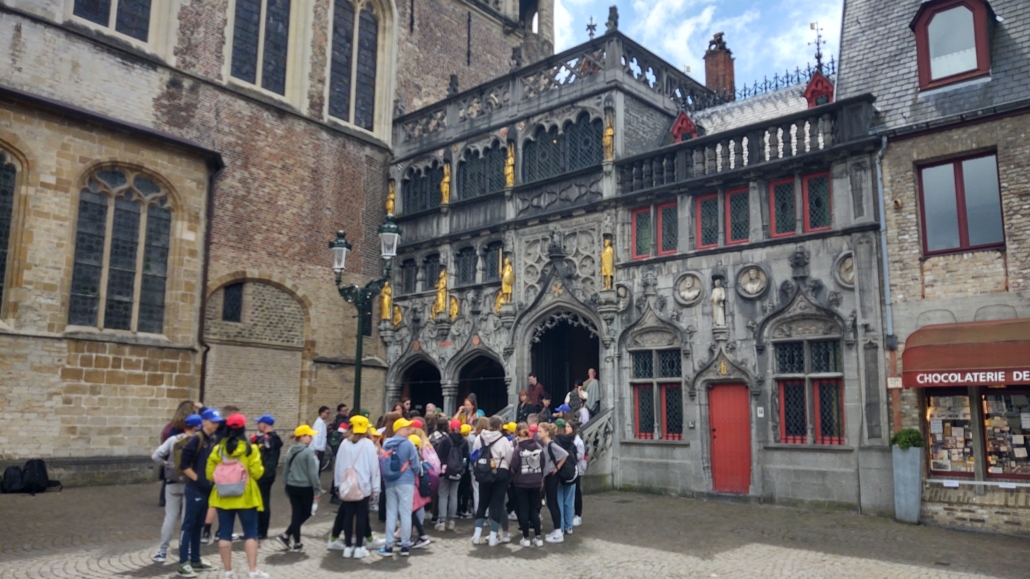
230	477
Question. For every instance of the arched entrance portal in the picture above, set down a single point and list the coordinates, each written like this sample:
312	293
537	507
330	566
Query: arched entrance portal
561	356
421	383
484	377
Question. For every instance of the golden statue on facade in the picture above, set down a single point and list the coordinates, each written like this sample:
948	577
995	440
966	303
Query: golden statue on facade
440	303
455	308
391	197
445	185
385	298
509	166
507	285
398	316
608	264
608	138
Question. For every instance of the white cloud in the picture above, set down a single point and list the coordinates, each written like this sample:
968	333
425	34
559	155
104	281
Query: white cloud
564	37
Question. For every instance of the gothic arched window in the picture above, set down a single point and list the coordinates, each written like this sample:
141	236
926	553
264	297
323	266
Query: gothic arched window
354	65
584	142
421	190
8	172
542	156
261	43
551	153
121	253
479	174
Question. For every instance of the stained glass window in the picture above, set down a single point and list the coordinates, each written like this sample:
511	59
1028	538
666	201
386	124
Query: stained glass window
97	11
8	172
790	358
260	48
644	395
708	221
135	265
817	201
672	411
246	32
584	142
740	217
542	157
783	208
669	364
432	265
825	392
642	233
643	364
830	410
365	76
421	190
826	356
409	276
492	262
130	17
277	42
232	303
340	71
467	266
669	228
794	427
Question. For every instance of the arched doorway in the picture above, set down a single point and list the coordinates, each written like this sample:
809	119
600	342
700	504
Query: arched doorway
561	355
421	383
484	377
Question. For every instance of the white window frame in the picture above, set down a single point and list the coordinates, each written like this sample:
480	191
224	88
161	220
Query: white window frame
298	54
161	36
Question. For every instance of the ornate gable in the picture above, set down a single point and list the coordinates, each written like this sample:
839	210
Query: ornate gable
819	91
683	129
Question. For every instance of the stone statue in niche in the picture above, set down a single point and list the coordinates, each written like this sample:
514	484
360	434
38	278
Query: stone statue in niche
847	270
752	281
445	185
440	303
623	294
718	304
608	264
385	298
688	289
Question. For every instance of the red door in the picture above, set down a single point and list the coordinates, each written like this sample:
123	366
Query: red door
729	413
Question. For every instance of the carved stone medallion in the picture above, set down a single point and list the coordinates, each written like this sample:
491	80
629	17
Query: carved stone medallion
844	270
688	289
752	282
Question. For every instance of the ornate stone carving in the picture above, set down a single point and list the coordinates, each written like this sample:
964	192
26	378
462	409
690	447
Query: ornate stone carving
653	338
398	316
752	282
556	318
806	327
844	270
834	298
554	196
577	258
799	262
455	308
718	300
688	289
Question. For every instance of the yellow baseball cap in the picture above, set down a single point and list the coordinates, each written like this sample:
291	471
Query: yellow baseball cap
304	430
401	423
374	432
510	427
358	424
415	440
466	428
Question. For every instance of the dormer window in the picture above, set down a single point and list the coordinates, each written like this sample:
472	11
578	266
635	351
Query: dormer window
952	41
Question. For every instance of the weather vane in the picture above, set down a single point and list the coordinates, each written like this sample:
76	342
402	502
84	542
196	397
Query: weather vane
591	27
819	42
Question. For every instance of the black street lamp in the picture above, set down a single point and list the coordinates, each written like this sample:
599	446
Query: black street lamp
361	297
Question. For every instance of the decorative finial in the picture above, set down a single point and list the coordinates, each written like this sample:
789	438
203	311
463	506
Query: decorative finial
819	42
452	88
591	28
613	19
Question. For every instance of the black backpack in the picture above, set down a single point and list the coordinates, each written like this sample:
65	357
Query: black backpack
455	462
567	473
485	469
13	481
35	477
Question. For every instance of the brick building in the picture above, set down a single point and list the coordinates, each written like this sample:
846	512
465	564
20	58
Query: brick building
953	101
170	174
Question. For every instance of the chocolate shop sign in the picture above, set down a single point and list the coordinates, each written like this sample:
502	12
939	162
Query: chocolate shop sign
967	378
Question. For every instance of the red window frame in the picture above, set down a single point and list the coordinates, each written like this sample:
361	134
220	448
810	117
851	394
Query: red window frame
637	433
633	224
793	439
772	208
662	250
920	25
666	435
960	200
817	425
727	209
829	198
697	219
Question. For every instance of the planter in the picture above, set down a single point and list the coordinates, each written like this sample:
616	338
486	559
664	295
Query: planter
908	483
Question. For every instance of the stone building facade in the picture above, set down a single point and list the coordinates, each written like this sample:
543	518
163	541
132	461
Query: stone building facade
737	339
291	104
954	117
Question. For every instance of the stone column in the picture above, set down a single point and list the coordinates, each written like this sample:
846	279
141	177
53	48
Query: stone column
450	397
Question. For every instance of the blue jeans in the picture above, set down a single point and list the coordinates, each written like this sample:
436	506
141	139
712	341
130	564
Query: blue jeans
567	503
398	504
248	523
192	523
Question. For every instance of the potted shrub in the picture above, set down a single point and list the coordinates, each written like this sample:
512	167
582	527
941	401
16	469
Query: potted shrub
907	449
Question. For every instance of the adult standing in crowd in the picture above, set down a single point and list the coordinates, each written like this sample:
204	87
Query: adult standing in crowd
268	442
193	464
176	426
236	493
175	480
356	474
554	458
525	407
494	448
302	484
400	492
527	464
593	391
536	390
453	451
321	437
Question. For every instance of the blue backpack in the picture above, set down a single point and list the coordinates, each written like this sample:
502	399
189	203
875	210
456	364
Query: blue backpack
390	465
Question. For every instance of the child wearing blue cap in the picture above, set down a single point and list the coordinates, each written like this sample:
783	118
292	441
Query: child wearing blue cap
167	457
268	442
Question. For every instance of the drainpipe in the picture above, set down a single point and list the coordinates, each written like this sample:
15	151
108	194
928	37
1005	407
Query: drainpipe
216	169
892	340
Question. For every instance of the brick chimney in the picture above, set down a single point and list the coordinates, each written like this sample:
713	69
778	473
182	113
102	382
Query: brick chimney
719	75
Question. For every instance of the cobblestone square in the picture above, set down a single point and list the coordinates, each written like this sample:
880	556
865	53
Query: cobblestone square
85	533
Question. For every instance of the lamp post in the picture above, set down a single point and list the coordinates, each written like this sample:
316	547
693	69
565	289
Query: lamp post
361	297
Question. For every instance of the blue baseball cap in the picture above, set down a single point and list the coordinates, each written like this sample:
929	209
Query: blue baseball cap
212	415
193	420
266	419
563	408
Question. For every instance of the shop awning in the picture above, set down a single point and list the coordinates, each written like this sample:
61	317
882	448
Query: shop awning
990	353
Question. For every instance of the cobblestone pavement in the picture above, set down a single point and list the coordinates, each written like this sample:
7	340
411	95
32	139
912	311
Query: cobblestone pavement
112	532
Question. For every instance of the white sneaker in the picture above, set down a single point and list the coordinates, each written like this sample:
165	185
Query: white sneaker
525	542
505	537
513	517
348	552
577	521
360	553
555	537
374	543
493	540
336	545
450	525
228	575
440	527
477	536
538	542
259	575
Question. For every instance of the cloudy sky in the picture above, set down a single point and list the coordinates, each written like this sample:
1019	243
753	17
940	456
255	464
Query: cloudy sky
766	36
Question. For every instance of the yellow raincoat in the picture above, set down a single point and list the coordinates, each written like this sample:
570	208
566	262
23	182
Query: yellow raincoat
251	497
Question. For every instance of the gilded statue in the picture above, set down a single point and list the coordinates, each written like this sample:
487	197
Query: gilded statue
391	197
455	306
608	264
509	167
440	303
445	185
385	298
398	316
507	284
608	139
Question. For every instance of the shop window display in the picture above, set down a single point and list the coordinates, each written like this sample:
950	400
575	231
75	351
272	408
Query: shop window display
1007	434
951	440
